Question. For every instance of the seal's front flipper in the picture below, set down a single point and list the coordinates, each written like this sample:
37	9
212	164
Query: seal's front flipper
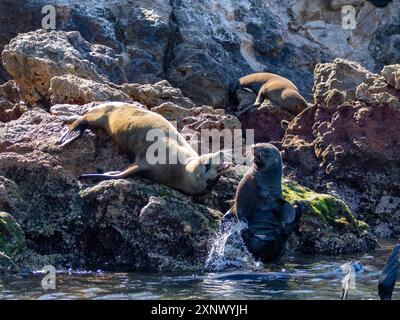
132	169
291	216
74	132
389	275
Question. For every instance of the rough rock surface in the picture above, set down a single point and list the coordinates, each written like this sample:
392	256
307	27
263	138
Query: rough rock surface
34	58
213	42
10	105
351	147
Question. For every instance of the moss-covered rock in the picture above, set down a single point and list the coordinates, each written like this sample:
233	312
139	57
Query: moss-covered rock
12	243
12	238
328	225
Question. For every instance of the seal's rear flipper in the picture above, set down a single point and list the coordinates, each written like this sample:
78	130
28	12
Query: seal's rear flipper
133	168
389	275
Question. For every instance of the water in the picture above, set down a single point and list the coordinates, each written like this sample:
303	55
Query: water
297	277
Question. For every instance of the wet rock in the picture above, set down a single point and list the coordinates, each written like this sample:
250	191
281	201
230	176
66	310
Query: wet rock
328	227
34	58
12	238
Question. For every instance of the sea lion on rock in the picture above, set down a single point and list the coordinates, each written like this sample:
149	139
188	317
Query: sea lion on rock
259	202
129	126
278	89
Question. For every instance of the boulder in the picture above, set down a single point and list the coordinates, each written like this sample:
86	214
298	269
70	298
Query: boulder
70	89
350	144
156	94
34	58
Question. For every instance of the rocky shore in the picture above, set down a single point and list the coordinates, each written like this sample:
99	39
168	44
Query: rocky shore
340	155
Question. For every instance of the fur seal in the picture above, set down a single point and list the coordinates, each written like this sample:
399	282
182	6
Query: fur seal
276	88
259	202
129	125
389	275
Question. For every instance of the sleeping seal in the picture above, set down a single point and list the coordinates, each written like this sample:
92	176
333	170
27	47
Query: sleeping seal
270	86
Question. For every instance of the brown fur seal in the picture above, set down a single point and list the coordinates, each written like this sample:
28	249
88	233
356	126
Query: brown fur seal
276	88
259	202
129	126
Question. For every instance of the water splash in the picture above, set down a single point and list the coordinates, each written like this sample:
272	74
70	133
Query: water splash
229	251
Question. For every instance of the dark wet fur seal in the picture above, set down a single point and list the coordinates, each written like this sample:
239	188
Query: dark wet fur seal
259	202
389	275
128	125
270	86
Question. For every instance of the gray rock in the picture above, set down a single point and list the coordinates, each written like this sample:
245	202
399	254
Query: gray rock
34	58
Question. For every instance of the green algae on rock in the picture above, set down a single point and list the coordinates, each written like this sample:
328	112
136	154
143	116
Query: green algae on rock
12	238
328	226
12	242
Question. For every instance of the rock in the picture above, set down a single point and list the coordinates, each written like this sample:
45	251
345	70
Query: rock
147	227
351	147
12	238
342	75
136	31
69	89
266	121
385	42
338	4
156	94
236	44
34	58
214	43
328	227
10	106
391	74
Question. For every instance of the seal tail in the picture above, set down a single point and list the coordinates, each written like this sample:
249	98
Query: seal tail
132	169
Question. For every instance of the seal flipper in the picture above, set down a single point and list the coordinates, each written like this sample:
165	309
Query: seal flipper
132	169
73	133
389	275
291	216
